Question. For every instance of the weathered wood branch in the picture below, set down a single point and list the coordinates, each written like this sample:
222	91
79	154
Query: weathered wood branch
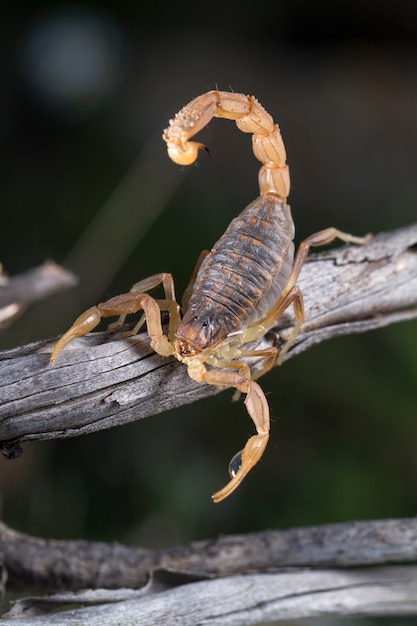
237	600
102	380
52	565
18	292
327	570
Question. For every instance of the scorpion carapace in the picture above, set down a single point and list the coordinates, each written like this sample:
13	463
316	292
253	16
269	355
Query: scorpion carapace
239	288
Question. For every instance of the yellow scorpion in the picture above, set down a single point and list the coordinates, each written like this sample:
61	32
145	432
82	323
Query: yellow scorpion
239	288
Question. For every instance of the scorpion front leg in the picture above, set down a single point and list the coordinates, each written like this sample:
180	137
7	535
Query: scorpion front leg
127	303
258	409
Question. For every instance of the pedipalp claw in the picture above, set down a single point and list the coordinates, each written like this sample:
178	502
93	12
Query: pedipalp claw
241	464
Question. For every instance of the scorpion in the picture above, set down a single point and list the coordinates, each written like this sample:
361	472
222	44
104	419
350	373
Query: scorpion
239	288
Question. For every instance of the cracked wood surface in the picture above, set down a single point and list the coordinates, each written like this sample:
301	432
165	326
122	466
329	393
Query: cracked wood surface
246	600
327	571
51	564
102	380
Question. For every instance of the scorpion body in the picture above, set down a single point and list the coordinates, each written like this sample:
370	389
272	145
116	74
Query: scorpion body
242	276
239	288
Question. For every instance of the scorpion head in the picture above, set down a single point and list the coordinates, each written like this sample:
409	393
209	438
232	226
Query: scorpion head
198	332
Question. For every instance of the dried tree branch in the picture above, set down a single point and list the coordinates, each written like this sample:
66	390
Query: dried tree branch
102	380
241	579
238	600
52	565
18	292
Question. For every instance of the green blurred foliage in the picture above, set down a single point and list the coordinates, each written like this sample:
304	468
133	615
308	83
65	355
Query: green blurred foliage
344	428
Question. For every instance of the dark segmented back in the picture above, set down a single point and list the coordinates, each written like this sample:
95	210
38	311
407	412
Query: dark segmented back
243	275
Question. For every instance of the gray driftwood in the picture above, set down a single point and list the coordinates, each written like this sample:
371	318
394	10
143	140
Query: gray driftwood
242	600
103	380
330	570
52	565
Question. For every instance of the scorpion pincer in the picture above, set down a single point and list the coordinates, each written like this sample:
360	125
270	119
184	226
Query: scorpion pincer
239	288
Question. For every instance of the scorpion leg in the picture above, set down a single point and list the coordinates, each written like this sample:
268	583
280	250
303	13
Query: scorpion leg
292	293
269	356
146	284
151	282
258	409
126	304
321	238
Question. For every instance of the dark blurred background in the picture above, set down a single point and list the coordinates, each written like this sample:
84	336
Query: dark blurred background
87	90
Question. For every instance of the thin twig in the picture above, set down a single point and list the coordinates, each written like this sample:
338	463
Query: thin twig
18	292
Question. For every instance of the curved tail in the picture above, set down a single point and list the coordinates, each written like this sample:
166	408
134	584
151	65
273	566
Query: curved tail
250	117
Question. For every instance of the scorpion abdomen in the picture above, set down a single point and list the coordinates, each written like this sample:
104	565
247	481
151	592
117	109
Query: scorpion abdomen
243	275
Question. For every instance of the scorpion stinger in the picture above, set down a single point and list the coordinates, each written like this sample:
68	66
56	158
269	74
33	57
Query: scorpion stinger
240	287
